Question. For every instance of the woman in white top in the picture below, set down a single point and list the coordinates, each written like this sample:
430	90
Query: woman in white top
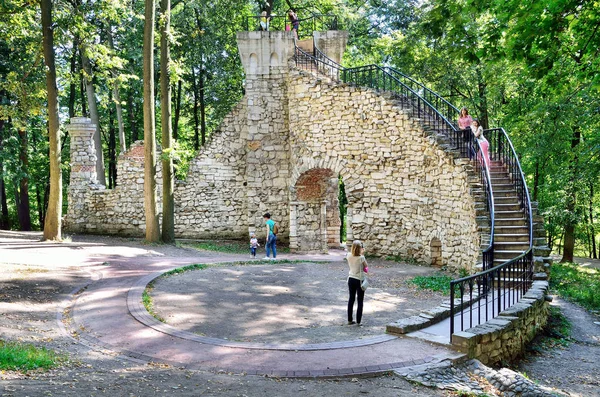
358	268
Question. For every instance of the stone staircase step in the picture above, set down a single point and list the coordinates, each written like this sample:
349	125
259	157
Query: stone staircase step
503	246
510	237
503	207
510	214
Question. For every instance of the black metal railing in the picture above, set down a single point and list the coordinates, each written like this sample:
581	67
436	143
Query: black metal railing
306	27
497	287
504	152
490	291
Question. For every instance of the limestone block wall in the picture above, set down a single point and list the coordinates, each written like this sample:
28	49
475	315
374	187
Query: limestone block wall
211	202
505	337
403	189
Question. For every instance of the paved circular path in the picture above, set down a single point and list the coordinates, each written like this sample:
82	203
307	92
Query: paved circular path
107	315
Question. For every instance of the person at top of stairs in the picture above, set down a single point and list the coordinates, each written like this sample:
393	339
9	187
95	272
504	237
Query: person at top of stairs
464	120
294	21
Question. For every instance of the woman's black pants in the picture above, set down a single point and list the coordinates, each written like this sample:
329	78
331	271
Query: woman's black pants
354	288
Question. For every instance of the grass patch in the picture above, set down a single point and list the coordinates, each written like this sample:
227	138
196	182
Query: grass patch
25	357
148	304
576	283
436	282
227	247
556	333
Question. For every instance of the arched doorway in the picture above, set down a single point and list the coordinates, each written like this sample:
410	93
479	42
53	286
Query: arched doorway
436	252
314	211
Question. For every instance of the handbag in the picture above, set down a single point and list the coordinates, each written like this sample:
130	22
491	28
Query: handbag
364	284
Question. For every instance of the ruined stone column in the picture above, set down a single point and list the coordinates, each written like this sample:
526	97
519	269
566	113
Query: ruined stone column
265	58
83	171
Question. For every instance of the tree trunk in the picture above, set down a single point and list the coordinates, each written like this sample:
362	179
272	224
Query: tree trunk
132	122
91	99
52	227
482	105
112	151
536	181
168	213
196	119
202	105
72	87
117	98
150	199
23	209
4	219
569	246
177	111
84	111
592	229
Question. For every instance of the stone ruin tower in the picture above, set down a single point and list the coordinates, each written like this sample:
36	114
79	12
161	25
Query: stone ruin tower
283	150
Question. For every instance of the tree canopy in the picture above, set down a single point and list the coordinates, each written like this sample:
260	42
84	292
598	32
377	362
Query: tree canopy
530	67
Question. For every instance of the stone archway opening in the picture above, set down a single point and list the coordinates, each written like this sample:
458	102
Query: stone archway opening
436	252
315	222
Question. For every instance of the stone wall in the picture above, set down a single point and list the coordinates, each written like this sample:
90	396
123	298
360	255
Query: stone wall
504	337
210	202
403	189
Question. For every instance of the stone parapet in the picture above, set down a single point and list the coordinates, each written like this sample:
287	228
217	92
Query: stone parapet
504	337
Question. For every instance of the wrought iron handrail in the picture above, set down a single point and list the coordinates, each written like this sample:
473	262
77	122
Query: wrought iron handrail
513	279
504	152
389	79
314	22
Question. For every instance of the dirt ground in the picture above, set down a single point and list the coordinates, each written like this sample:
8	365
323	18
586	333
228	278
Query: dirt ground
31	291
574	369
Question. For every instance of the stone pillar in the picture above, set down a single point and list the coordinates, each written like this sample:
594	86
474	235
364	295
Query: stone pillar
265	58
324	227
332	43
294	244
83	171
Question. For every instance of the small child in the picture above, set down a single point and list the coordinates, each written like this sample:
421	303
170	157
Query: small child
253	245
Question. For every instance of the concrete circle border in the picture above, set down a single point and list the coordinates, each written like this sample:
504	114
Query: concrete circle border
138	311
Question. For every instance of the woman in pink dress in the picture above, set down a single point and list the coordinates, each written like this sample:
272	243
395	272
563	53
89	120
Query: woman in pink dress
465	120
483	143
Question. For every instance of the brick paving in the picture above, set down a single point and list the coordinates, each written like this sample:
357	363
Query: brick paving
106	314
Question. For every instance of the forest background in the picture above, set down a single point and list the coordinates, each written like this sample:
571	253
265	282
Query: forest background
531	67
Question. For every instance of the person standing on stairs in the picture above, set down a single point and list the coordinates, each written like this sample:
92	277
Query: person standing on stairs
483	143
464	123
295	22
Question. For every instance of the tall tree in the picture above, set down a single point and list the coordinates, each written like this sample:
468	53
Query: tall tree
150	196
168	213
23	209
52	226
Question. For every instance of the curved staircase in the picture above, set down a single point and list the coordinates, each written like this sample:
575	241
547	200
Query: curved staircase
504	210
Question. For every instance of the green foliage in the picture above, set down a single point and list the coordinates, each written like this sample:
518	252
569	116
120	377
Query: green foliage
577	283
556	333
24	357
437	282
229	246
